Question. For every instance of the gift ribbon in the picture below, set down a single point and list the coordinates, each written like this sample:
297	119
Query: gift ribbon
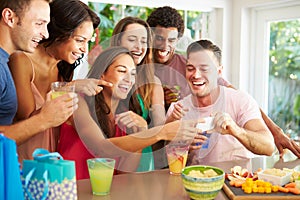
46	190
43	154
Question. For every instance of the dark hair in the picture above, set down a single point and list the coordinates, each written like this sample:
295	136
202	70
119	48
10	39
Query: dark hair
98	108
145	69
65	17
18	6
166	17
201	45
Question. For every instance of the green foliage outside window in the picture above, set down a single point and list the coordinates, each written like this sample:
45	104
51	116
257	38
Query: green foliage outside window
284	72
110	14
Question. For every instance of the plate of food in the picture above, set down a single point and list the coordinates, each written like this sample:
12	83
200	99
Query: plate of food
262	184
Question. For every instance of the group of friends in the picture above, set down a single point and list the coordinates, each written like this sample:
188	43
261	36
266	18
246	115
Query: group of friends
139	93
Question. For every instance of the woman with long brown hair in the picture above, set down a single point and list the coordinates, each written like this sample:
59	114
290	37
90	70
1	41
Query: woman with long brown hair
99	127
147	97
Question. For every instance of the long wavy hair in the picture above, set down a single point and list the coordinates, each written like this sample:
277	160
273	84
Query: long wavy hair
65	17
97	105
145	69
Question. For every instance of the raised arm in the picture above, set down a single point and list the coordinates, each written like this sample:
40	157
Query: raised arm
94	139
281	140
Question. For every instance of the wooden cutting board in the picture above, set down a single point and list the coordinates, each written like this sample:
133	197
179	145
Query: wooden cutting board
234	193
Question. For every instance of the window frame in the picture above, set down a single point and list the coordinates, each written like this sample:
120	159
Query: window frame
255	78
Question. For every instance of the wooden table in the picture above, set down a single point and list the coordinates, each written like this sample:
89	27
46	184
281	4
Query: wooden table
154	185
158	185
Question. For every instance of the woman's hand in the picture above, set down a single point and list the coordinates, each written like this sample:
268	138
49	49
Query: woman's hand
180	130
90	86
131	120
282	141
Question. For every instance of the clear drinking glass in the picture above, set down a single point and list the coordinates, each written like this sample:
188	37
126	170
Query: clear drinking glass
177	153
101	172
61	88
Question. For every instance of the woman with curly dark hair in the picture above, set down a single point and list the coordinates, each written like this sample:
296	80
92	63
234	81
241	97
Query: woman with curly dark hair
115	65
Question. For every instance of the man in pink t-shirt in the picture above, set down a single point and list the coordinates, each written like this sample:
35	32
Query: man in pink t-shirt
239	130
168	27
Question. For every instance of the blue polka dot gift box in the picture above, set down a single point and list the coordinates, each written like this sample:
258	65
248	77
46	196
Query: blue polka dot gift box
49	176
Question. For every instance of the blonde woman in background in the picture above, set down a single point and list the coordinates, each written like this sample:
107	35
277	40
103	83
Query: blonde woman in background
147	97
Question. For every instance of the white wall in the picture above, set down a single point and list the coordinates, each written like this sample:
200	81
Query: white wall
250	42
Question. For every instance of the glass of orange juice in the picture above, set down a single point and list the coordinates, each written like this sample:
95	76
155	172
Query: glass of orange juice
101	172
177	153
61	88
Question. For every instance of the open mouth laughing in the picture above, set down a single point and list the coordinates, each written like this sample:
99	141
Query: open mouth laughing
36	41
163	53
124	88
197	84
136	53
76	55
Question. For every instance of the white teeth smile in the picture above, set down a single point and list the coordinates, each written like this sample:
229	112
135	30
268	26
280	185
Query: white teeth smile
77	55
163	53
198	83
136	53
126	87
36	40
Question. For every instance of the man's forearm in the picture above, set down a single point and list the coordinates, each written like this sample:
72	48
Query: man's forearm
24	130
259	142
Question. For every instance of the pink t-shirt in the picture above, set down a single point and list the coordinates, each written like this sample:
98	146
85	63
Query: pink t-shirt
241	107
